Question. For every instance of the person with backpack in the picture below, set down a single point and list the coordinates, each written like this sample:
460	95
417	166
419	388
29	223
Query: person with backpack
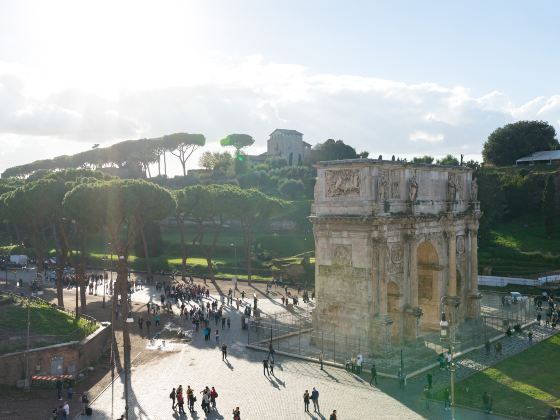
315	399
306	401
173	395
213	396
236	413
224	351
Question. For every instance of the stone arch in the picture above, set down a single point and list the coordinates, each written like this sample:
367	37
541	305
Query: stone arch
428	283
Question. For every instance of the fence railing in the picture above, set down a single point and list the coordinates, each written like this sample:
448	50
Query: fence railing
295	334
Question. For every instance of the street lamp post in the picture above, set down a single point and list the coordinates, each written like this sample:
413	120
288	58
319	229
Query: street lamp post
111	273
105	259
447	334
27	381
235	253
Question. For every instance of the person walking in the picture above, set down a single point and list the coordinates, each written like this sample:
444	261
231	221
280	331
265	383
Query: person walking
236	413
85	402
271	365
66	408
265	367
373	374
315	399
487	400
217	334
224	351
148	325
173	395
59	389
190	398
333	415
181	403
213	396
306	401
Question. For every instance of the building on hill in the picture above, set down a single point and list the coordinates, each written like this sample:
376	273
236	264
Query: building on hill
549	157
287	144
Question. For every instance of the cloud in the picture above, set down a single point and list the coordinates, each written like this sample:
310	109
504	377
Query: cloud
422	136
255	96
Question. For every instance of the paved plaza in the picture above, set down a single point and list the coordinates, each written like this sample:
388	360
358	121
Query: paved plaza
240	382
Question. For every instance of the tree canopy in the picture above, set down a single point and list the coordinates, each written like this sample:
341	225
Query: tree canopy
448	160
129	153
331	150
239	141
423	159
508	143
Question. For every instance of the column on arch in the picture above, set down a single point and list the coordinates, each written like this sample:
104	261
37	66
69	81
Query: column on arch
452	262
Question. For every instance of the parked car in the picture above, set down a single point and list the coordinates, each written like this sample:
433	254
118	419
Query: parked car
515	297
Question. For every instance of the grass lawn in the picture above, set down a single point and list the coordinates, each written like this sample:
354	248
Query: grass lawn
520	248
525	385
47	325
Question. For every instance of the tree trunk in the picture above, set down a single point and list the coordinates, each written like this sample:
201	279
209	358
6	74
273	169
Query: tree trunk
184	164
18	233
247	243
159	165
210	250
38	246
181	225
60	262
146	253
82	274
164	164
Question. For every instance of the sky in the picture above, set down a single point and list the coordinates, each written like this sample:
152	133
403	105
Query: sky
402	78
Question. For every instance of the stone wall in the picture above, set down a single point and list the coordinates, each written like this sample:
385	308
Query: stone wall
71	357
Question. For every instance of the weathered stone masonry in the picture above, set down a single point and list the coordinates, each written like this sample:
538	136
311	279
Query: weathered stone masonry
391	239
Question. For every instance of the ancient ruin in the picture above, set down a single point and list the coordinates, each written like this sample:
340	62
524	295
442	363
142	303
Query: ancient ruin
394	243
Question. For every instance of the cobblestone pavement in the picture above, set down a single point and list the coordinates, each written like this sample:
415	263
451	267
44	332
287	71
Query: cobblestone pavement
241	382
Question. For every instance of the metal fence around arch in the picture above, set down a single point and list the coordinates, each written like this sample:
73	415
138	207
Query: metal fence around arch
293	333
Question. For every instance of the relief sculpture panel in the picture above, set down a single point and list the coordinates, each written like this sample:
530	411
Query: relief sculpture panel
342	255
342	183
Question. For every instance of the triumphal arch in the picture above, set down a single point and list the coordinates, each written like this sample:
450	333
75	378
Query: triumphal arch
395	243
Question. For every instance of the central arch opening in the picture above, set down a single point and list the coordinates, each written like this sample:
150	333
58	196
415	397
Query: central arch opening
428	270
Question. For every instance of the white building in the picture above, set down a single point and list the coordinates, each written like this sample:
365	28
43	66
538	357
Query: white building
287	144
